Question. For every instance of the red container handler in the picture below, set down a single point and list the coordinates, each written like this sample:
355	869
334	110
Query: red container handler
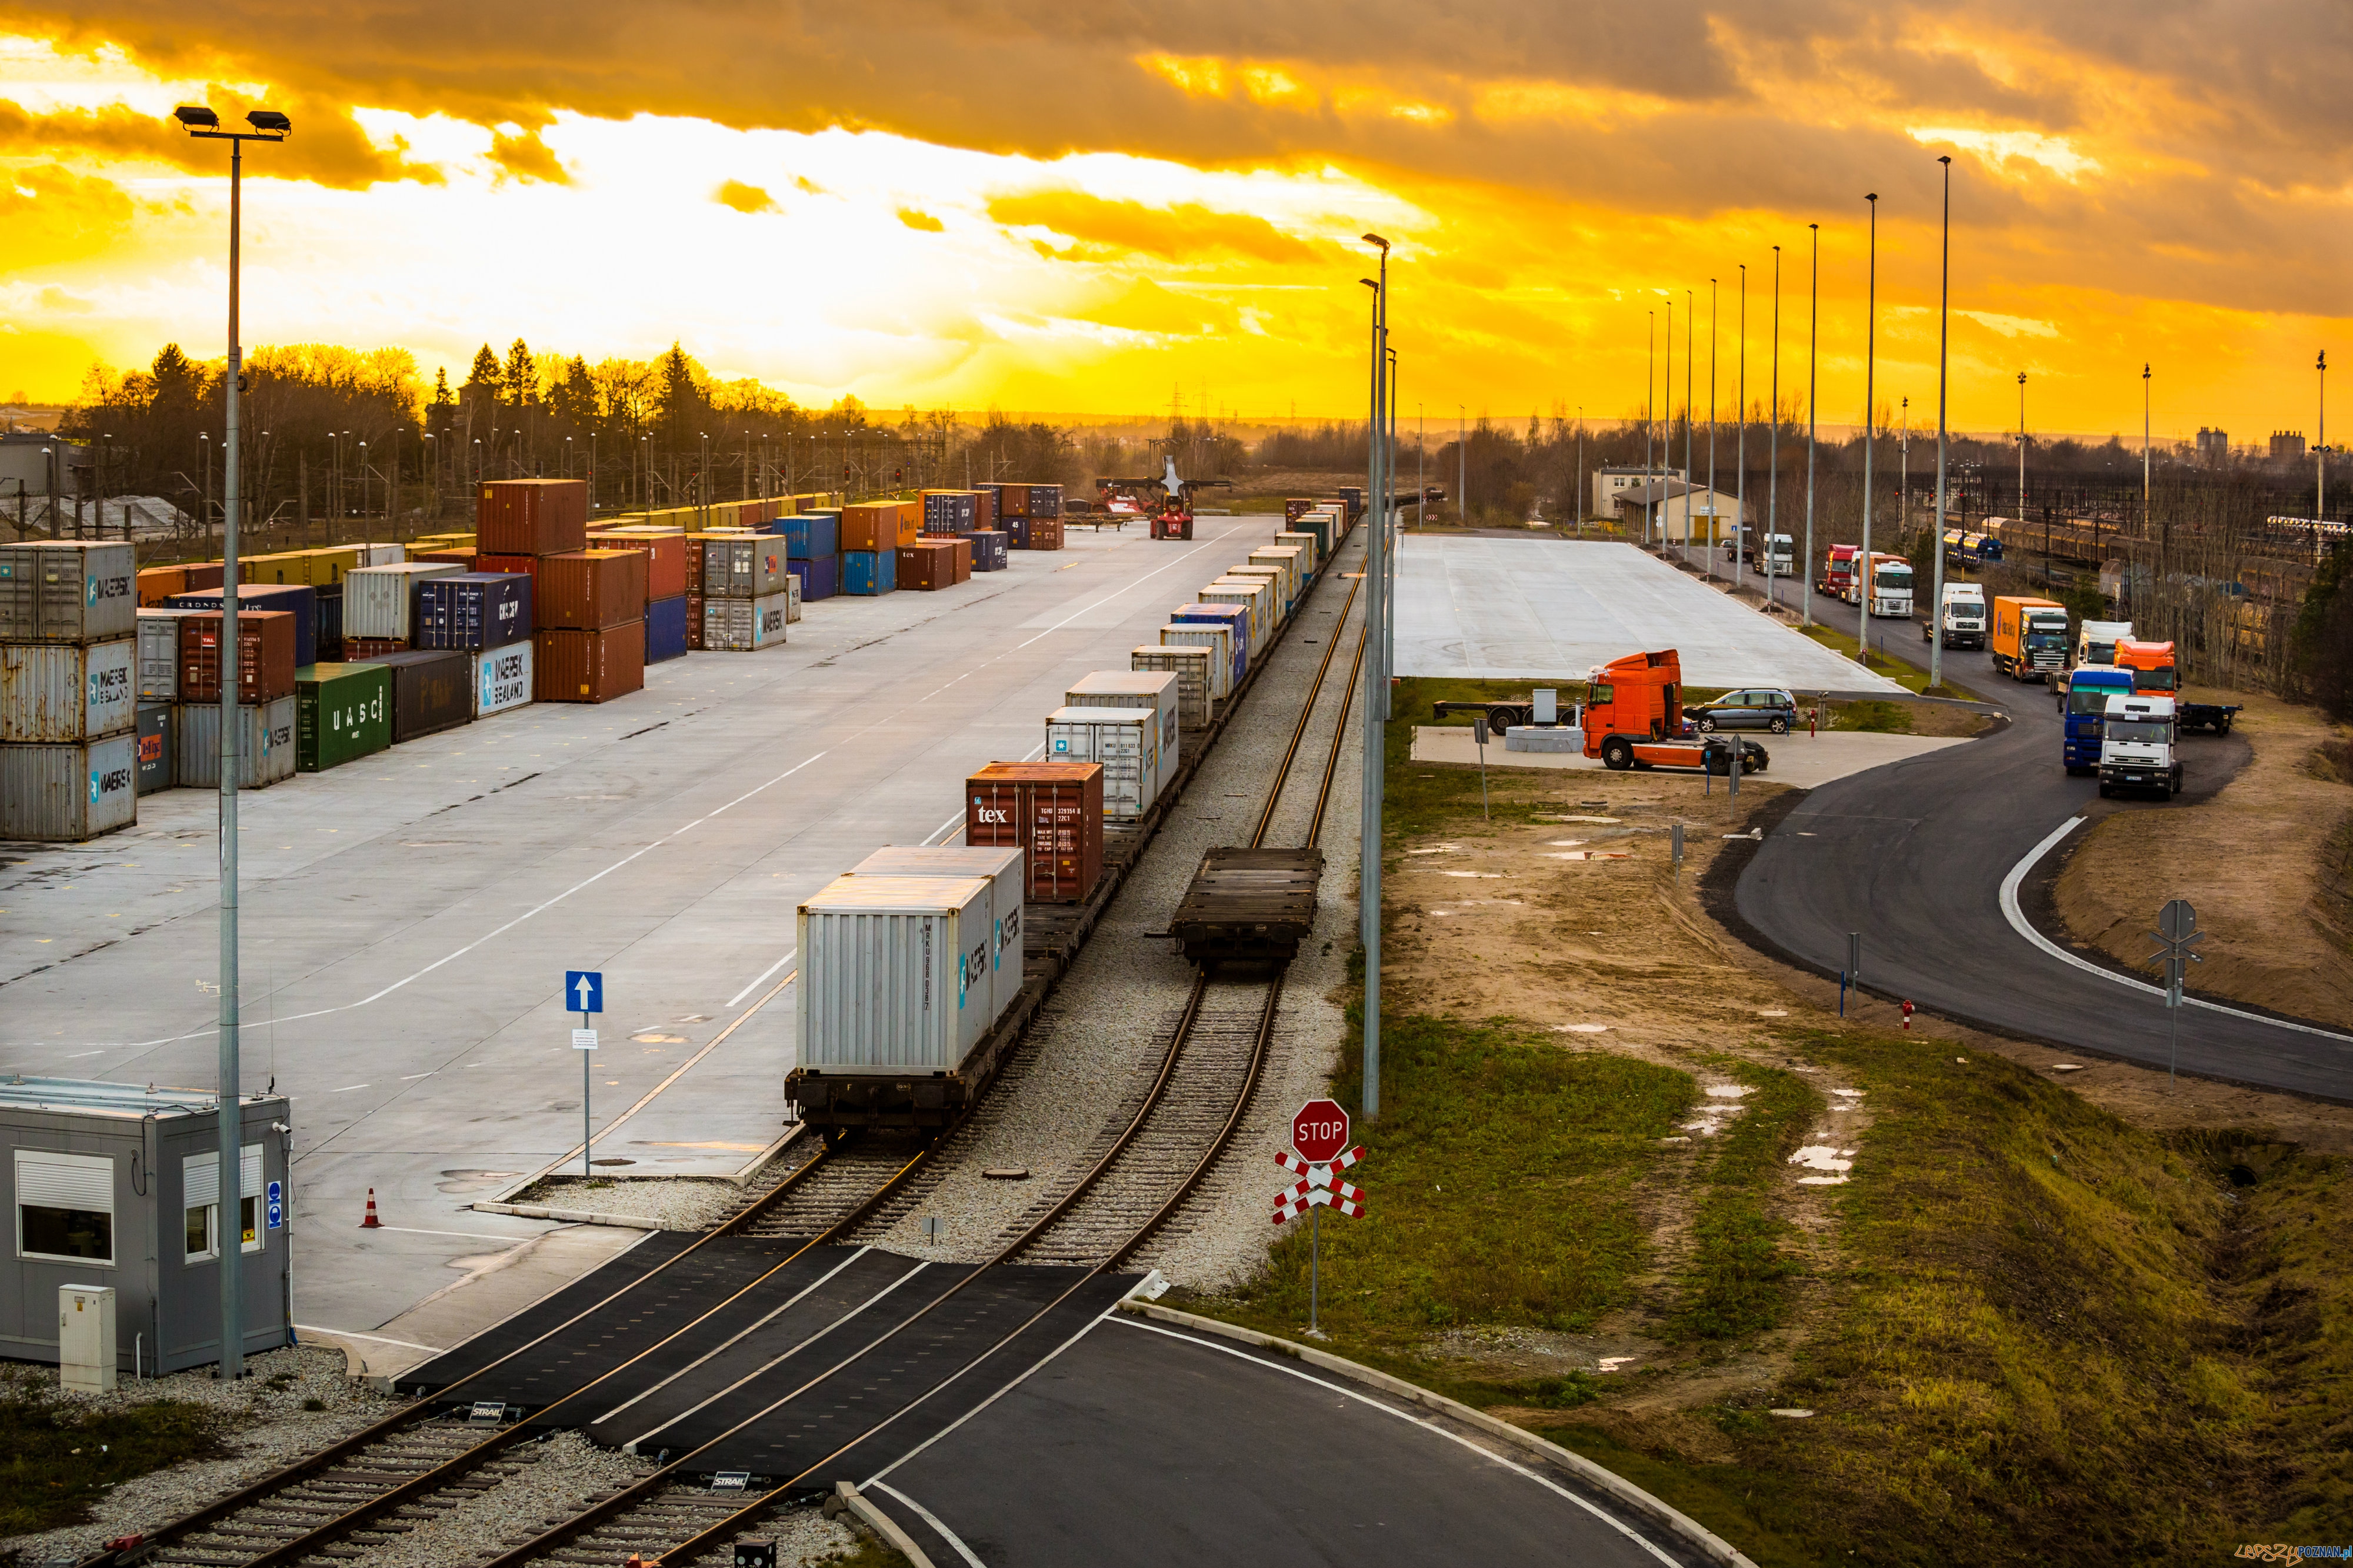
531	517
572	665
590	590
265	655
1053	811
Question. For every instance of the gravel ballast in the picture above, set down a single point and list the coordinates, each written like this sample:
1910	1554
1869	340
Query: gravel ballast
679	1203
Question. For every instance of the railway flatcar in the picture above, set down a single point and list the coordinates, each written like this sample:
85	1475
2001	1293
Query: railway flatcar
1249	907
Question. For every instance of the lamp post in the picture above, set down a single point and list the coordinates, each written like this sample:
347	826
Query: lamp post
1392	527
1368	914
1650	431
1740	458
1689	316
2320	492
1773	448
1943	341
2022	447
1870	432
2144	446
430	460
1577	500
1710	558
269	125
1813	323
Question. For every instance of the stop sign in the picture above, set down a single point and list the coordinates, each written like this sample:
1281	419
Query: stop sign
1319	1132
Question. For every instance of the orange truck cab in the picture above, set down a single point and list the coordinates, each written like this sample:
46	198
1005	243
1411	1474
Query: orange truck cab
2150	662
1634	719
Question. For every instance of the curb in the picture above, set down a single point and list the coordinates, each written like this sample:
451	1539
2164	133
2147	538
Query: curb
1715	1547
881	1523
571	1216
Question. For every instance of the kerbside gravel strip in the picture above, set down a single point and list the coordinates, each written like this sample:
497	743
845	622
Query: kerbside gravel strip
679	1203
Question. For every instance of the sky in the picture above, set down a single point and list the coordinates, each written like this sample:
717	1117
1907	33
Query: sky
1116	209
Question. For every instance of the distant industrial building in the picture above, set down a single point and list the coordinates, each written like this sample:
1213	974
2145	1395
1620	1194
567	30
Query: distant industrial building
1608	482
1667	502
2288	444
2213	446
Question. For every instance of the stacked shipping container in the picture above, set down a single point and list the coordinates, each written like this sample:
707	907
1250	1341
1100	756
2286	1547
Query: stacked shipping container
68	690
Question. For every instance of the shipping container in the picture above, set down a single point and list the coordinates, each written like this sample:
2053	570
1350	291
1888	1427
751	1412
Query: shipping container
510	566
1225	667
693	621
1155	689
926	567
1268	573
159	654
1311	553
743	568
665	629
887	966
473	610
814	537
745	626
331	622
819	577
464	558
569	666
1002	869
666	553
381	601
1052	812
1267	613
1042	533
156	583
1255	597
531	517
1012	501
988	549
1294	575
1028	501
502	677
59	693
589	589
372	648
866	571
265	661
960	557
872	527
432	690
341	712
265	739
291	599
277	567
66	794
67	591
1190	663
1243	623
1126	740
949	511
158	724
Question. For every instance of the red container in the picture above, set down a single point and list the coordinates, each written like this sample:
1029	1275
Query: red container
932	564
960	556
1053	812
591	589
1045	533
873	527
531	517
526	565
265	655
576	665
463	559
694	614
356	648
207	574
665	559
984	509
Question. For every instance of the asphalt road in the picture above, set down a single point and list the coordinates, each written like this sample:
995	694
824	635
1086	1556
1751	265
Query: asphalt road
1915	855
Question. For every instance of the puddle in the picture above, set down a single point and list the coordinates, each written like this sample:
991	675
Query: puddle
1583	855
1722	1103
1793	1413
1567	843
1487	876
1606	821
2065	1066
1727	1090
1823	1157
1612	1363
1580	1028
1441	849
1773	1013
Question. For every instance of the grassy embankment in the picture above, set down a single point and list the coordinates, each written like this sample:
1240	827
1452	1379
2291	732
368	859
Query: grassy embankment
58	1459
2034	1333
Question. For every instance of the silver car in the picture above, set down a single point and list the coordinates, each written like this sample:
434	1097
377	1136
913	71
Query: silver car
1759	708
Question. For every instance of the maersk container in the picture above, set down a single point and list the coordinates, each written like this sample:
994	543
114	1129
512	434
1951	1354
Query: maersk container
68	591
745	626
502	679
1005	871
159	725
1225	667
58	693
1152	689
265	745
66	793
159	654
893	974
1126	740
381	601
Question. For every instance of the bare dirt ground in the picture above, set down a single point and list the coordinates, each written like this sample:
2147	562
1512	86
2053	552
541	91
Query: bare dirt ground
2261	857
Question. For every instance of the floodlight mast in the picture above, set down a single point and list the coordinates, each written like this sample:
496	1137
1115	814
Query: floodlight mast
269	125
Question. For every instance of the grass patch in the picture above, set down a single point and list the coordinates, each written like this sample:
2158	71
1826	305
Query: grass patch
1498	1184
1872	718
1908	676
56	1459
1738	1268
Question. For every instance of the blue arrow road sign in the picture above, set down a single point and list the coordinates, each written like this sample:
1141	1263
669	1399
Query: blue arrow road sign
584	991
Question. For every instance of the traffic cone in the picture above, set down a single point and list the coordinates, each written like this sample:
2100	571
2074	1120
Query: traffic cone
371	1223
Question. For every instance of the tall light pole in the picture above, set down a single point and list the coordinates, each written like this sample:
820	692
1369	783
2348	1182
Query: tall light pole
2021	446
1579	502
2143	445
1740	460
269	125
1462	461
1393	518
2320	494
1870	428
1813	323
1650	431
1368	848
1773	448
1688	316
1937	529
1711	430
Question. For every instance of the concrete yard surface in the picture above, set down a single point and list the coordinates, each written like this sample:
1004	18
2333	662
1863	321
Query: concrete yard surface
1798	760
1552	609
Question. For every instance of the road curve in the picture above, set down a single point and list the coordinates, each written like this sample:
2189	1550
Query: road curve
1914	856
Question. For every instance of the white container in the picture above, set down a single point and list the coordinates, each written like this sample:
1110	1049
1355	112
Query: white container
1266	613
792	597
1004	870
65	794
746	626
502	677
380	601
887	973
264	742
1292	560
1266	571
159	654
62	693
63	590
1190	663
1250	596
1306	544
1152	689
1219	640
1126	740
381	555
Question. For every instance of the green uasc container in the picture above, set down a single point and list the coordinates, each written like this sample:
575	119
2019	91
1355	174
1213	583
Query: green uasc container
341	711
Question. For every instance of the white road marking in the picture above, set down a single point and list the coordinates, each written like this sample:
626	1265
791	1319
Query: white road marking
372	1339
469	1235
1084	1329
928	1517
763	976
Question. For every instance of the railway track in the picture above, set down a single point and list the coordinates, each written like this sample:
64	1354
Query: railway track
429	1459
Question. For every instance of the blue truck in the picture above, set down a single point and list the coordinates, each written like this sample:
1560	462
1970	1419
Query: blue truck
2084	704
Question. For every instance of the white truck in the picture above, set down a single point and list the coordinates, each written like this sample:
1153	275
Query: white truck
2138	746
2097	642
1962	615
1778	555
1891	587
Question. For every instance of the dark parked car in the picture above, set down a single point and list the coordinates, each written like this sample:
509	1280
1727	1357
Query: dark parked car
1758	708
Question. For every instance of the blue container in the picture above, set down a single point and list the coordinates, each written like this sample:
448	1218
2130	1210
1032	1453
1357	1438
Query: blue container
331	619
473	610
1235	617
820	576
813	536
989	549
869	572
665	629
296	599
